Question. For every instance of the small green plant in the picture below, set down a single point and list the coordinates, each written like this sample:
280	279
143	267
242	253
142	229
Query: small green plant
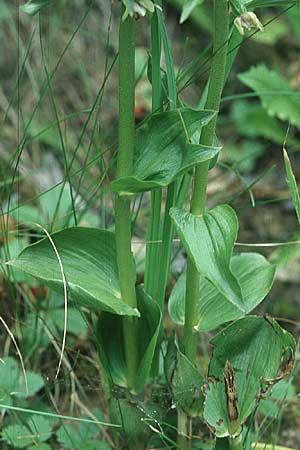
174	148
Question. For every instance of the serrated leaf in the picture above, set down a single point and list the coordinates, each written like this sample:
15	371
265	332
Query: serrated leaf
9	377
40	427
38	430
35	382
260	352
255	277
163	151
32	7
209	240
275	93
111	346
12	382
73	437
42	446
88	257
14	436
252	121
184	379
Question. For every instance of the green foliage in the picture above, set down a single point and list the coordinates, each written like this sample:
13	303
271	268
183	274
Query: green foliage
72	437
163	150
135	418
275	93
273	403
184	379
12	382
32	7
255	277
54	210
89	261
111	346
260	353
209	240
243	155
251	354
253	121
188	8
292	184
36	431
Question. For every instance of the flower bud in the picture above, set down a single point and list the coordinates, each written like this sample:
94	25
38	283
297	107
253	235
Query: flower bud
248	20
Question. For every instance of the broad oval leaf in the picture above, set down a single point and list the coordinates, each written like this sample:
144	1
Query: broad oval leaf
275	93
32	7
209	241
88	256
260	353
111	341
163	150
255	276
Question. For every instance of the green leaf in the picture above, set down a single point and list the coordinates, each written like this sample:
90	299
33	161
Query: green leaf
76	323
88	257
12	250
73	437
260	352
32	7
15	435
130	416
56	206
209	240
111	345
9	379
275	93
42	446
40	428
12	382
243	155
255	277
184	379
253	121
96	445
34	381
292	184
239	6
281	392
268	3
163	150
188	8
37	430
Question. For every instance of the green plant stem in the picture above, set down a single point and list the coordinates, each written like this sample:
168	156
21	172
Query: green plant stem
153	232
236	443
172	191
217	75
216	83
126	266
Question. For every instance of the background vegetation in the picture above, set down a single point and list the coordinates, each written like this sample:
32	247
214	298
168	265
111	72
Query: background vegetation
60	68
